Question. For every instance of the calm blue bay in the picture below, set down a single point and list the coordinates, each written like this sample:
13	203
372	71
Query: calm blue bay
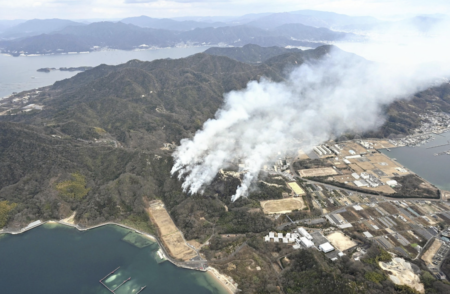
55	259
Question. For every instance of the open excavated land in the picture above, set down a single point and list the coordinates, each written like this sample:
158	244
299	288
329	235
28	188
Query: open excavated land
317	172
428	255
340	241
302	155
401	273
169	233
282	205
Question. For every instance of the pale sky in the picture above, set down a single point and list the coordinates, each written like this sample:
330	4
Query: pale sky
92	9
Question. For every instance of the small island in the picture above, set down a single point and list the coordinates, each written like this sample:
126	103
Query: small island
49	69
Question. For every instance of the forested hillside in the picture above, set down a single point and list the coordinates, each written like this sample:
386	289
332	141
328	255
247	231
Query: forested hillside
102	145
110	126
116	126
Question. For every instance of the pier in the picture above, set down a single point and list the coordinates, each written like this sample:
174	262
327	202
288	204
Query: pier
113	291
448	143
122	284
109	274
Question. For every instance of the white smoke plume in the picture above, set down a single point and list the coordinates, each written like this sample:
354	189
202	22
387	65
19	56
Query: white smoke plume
319	100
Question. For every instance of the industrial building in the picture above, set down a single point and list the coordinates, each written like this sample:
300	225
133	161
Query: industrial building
392	183
304	233
326	247
317	151
305	242
360	183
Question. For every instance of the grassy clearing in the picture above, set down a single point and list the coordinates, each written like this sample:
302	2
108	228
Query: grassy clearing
74	189
5	208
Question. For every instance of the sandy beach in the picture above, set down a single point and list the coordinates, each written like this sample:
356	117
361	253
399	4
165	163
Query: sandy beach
221	279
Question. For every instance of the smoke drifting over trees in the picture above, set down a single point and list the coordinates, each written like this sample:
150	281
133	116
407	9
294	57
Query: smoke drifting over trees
320	99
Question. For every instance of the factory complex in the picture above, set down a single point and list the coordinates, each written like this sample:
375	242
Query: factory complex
358	164
302	239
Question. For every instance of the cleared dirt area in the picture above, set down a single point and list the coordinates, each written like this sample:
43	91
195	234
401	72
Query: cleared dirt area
383	189
282	205
401	273
169	233
318	172
340	241
302	155
177	247
428	256
195	243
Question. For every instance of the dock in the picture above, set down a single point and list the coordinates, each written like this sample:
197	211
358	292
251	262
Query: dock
113	291
122	284
109	274
448	143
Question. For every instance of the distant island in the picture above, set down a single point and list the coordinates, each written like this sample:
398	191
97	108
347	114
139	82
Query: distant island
49	69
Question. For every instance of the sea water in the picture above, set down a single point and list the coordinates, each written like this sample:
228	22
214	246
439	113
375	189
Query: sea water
55	259
20	73
423	161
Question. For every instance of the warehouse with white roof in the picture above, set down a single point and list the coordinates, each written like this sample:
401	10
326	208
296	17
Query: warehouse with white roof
326	247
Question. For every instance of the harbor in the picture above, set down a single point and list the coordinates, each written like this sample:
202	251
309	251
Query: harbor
430	160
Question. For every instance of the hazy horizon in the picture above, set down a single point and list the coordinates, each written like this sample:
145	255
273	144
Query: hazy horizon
89	10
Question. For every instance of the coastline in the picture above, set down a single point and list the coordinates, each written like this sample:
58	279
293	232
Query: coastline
61	222
222	280
212	272
111	49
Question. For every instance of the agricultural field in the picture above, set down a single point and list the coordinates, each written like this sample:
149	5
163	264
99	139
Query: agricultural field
282	205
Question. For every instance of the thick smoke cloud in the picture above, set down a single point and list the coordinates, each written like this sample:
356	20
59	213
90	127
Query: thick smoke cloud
321	99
